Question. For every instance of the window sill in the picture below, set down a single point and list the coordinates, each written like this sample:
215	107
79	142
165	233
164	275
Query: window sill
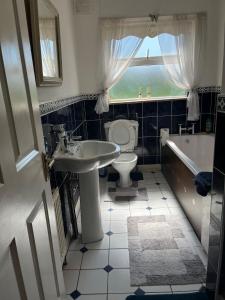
152	99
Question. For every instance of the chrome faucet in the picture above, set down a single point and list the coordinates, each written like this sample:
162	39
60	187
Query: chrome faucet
187	129
72	137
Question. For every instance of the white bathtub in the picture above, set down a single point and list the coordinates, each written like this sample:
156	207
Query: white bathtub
196	151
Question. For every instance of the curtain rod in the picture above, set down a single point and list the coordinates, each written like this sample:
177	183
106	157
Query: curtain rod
157	15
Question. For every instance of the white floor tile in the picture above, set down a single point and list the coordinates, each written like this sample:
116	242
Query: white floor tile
105	205
138	204
186	288
136	212
120	205
93	297
164	187
158	204
117	296
159	211
119	258
70	279
103	244
118	226
118	214
105	214
153	189
105	226
177	211
95	259
119	282
73	259
155	195
119	240
92	282
148	176
172	203
168	194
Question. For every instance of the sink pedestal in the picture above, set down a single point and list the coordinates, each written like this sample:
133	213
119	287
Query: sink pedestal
90	207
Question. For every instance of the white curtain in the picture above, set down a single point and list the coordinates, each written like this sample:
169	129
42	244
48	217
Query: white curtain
189	43
48	42
116	55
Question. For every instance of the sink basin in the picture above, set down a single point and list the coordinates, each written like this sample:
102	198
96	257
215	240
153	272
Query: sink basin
85	156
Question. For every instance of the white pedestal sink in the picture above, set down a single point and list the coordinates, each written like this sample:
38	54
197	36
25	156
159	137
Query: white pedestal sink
86	158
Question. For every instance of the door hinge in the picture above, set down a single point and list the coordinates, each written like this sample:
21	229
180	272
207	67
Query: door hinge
47	163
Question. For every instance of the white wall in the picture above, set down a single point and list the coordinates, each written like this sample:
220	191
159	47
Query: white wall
70	85
87	34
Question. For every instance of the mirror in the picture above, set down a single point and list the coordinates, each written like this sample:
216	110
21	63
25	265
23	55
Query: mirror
43	20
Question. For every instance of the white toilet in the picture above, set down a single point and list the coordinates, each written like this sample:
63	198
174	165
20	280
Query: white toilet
125	134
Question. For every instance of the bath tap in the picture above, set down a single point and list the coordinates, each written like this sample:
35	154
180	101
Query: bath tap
192	128
181	129
187	129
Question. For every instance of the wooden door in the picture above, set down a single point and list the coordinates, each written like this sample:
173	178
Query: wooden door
30	266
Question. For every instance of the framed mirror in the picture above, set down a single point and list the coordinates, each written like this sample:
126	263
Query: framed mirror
43	21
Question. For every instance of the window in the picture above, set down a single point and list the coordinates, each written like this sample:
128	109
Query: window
147	77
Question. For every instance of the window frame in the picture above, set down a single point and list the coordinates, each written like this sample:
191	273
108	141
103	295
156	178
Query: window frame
149	61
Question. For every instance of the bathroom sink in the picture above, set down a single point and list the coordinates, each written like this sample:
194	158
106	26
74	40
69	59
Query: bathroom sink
85	156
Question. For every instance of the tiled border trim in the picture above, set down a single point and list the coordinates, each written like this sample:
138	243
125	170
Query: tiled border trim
48	107
209	89
221	102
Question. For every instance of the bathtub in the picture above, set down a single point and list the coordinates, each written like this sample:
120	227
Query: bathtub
183	157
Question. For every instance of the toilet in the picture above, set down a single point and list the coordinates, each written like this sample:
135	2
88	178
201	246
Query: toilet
125	134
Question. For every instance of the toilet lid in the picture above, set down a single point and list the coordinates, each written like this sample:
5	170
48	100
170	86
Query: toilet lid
122	133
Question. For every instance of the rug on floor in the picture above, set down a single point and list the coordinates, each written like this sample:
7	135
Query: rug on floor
141	195
160	252
186	296
132	193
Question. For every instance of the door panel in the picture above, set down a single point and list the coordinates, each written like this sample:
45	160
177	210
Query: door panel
15	81
41	251
9	279
30	266
17	270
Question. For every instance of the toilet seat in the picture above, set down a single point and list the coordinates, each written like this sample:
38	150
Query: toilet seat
122	133
125	158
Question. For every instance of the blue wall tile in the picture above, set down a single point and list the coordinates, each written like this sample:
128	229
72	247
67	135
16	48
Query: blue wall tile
206	100
90	110
150	109
120	110
179	107
151	116
135	110
94	130
150	126
165	108
176	120
164	122
151	146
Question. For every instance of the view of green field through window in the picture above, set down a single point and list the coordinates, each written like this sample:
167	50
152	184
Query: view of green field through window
147	80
